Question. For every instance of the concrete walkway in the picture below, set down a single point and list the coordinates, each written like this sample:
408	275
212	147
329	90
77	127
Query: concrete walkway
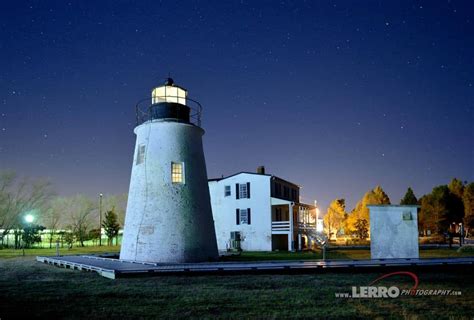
115	268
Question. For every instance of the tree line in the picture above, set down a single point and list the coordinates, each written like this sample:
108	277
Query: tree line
68	219
443	208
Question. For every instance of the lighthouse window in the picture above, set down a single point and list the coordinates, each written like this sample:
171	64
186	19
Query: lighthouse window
140	154
177	172
227	191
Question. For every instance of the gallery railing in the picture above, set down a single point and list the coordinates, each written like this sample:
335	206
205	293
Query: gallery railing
145	107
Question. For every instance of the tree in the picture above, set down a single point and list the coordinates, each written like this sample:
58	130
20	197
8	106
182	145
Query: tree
110	225
439	209
51	219
18	196
362	229
94	235
119	203
334	218
31	235
409	198
456	187
69	238
372	197
82	209
468	200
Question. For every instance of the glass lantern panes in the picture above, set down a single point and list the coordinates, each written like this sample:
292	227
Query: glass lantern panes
169	94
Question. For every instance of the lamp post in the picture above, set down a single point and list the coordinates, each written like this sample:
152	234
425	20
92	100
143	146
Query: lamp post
29	218
100	218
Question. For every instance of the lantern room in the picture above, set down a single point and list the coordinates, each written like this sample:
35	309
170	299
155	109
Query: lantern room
169	93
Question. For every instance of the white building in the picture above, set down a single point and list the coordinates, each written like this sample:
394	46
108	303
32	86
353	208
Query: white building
393	231
261	210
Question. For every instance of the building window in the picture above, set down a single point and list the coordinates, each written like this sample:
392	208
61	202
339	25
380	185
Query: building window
177	172
277	189
235	239
293	195
227	191
243	216
286	192
242	190
140	154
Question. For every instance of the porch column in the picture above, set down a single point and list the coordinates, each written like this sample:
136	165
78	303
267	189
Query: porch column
299	241
290	235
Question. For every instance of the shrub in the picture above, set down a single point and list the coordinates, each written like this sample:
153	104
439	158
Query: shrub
434	239
466	248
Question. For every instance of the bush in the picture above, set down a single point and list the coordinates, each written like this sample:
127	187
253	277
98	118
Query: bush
357	242
466	249
434	239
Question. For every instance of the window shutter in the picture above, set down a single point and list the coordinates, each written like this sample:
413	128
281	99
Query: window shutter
248	215
248	190
237	216
236	191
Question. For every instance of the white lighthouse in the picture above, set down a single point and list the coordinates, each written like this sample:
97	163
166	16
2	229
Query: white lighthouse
169	216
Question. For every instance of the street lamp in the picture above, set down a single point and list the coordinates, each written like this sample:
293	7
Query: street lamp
29	218
100	218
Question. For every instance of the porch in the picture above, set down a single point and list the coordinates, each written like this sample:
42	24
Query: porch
291	224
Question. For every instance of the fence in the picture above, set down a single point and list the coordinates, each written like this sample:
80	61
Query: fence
8	240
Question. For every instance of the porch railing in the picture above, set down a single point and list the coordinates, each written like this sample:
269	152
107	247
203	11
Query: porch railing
280	226
306	226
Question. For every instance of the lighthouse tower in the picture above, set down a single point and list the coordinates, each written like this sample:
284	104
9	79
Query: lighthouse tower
169	216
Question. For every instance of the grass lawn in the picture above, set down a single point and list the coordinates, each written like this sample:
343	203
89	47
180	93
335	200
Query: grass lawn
33	289
245	256
337	254
11	253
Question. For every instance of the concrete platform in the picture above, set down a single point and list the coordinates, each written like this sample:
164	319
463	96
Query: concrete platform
115	268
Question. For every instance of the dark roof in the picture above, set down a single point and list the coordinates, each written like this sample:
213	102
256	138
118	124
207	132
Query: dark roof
254	173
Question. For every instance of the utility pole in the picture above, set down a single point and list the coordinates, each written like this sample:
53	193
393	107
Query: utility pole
100	218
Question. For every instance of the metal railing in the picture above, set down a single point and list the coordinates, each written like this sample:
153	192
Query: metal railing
306	226
143	109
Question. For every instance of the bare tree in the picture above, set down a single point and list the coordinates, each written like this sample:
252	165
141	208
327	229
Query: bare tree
82	211
17	197
53	215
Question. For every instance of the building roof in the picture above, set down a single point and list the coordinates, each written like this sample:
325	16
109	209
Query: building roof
253	173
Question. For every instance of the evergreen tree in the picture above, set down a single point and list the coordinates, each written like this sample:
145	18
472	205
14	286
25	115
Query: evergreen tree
409	198
441	208
31	235
456	187
69	238
111	225
468	200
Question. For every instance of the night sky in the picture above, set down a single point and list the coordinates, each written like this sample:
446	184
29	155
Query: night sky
336	96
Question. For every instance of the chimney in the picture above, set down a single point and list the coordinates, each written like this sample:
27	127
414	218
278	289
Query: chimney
261	170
